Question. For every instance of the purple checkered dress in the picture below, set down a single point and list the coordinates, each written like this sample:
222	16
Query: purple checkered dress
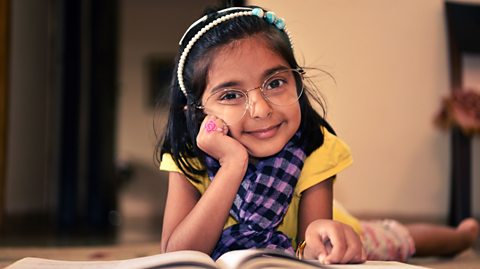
262	201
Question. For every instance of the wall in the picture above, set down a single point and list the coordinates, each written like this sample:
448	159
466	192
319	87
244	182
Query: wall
390	63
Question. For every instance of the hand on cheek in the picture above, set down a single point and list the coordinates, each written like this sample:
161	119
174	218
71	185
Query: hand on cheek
213	139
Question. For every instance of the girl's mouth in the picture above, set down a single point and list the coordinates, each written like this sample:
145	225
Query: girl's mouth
265	133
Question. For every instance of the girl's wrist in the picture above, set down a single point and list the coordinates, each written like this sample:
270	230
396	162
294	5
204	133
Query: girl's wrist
234	160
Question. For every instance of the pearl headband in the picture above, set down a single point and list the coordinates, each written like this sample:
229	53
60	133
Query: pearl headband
269	16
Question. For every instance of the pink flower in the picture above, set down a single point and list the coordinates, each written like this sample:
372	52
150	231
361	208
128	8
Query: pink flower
210	126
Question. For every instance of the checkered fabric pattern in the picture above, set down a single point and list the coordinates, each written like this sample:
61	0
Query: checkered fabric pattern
262	201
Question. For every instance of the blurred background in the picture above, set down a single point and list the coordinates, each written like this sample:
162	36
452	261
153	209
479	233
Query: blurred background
80	78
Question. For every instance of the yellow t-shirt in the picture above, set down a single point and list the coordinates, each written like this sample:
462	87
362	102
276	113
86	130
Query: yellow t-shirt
326	161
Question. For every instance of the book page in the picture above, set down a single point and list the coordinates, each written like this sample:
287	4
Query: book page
39	263
374	265
185	259
233	258
238	259
255	258
258	258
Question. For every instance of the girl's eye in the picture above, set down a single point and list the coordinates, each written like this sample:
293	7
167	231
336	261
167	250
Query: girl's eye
229	96
275	83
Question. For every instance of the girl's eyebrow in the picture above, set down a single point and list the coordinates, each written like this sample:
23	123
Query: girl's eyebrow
272	70
224	85
234	83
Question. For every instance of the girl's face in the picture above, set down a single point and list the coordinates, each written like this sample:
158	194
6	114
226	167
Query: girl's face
245	64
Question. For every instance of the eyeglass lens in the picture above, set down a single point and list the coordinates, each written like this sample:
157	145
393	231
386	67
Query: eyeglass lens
282	88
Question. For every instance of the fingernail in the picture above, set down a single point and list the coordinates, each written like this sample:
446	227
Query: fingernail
321	258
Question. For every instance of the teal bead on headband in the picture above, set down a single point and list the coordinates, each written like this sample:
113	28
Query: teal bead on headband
258	12
270	17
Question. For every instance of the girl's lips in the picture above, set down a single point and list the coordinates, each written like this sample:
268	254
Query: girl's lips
265	133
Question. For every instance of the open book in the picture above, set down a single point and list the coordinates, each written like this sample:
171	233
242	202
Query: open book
238	259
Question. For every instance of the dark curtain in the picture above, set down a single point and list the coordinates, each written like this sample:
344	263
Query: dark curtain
87	75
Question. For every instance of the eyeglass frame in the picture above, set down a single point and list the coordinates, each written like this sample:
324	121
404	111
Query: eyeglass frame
298	70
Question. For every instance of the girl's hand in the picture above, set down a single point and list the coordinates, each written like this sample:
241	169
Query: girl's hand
330	242
212	138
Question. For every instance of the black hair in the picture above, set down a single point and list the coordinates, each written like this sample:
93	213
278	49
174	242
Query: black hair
184	118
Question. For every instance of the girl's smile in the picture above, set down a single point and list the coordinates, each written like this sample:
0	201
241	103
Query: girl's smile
264	133
246	63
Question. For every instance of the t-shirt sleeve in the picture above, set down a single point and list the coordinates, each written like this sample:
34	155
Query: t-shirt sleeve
169	165
326	161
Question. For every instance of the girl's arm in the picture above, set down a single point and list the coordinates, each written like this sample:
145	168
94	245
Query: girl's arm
326	240
316	203
196	222
193	221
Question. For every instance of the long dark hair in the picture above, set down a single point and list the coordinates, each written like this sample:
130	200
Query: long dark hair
184	118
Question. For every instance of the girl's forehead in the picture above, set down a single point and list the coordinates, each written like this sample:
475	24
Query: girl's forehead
247	54
245	45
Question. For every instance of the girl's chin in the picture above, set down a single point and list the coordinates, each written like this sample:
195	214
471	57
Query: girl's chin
263	152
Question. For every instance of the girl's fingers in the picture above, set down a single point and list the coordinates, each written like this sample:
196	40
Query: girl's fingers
333	242
213	124
315	248
325	241
362	256
211	136
346	246
322	257
339	247
354	250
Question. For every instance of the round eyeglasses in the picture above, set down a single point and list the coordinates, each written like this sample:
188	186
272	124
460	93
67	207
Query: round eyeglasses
282	88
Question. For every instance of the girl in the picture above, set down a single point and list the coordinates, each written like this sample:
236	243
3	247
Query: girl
251	162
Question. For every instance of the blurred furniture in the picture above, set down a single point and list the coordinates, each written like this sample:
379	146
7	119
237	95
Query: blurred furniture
463	22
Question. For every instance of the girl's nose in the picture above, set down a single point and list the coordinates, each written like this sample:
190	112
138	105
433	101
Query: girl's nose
258	107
